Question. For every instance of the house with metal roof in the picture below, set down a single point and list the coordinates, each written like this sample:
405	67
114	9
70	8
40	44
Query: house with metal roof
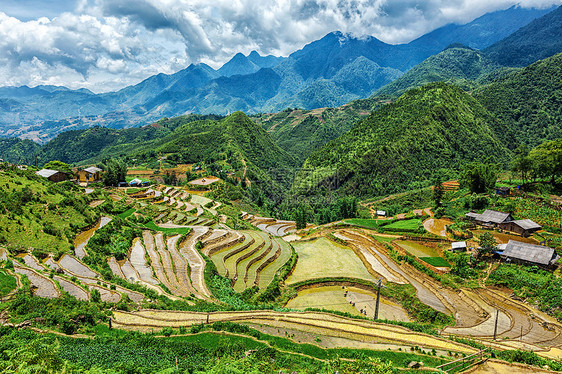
530	254
52	175
458	246
490	217
524	227
89	175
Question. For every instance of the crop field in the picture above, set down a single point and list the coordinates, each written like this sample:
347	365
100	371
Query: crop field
438	262
368	223
405	225
322	258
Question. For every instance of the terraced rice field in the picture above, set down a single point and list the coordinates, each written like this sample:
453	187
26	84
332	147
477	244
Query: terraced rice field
82	239
417	249
321	324
322	258
44	287
336	298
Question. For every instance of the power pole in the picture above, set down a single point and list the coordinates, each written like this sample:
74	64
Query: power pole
379	285
496	324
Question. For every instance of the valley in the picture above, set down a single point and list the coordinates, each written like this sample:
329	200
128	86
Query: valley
353	207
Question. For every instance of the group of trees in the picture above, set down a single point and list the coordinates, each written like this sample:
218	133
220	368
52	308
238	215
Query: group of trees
544	161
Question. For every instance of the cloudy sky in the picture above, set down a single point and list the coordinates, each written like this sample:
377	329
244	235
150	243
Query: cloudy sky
105	45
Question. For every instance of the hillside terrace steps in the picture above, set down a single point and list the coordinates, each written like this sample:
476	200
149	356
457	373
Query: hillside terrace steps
169	266
251	266
268	272
218	256
138	262
181	266
196	261
115	268
44	286
242	264
231	261
426	293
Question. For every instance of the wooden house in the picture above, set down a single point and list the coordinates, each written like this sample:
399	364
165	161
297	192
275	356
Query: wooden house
52	175
523	227
490	217
89	175
458	247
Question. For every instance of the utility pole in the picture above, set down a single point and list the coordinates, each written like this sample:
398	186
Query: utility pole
496	324
379	285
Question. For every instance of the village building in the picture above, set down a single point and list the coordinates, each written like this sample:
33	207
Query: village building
491	218
135	183
458	247
89	175
529	254
52	175
381	213
523	227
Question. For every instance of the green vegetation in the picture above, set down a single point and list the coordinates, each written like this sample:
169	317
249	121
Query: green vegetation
527	102
406	225
36	213
438	123
458	64
167	230
436	261
8	283
367	223
300	132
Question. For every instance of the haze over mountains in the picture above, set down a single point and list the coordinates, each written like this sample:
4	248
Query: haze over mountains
329	72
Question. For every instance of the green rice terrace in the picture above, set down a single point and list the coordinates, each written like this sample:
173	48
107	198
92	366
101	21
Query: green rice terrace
164	261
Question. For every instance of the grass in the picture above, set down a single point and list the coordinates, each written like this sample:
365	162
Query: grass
438	262
406	224
126	213
7	283
368	223
170	231
383	239
322	258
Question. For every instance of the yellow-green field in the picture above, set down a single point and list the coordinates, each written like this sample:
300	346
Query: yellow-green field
322	258
336	298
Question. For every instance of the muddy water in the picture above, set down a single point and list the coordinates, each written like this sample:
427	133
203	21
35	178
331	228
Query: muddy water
417	249
82	238
437	226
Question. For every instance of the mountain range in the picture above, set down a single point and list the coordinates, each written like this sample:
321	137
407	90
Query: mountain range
329	72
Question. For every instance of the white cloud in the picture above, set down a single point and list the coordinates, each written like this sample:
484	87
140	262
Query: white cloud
107	44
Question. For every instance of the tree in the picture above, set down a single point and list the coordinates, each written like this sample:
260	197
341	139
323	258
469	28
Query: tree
300	217
438	191
523	163
547	159
479	177
58	165
115	172
487	244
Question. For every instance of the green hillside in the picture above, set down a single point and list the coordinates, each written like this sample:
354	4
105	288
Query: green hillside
401	145
18	150
458	65
528	101
38	214
538	40
79	145
300	132
233	141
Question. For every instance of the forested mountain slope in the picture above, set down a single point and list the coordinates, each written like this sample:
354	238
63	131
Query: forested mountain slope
528	101
403	144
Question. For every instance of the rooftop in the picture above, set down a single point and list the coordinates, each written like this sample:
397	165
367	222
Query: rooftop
537	254
92	169
46	173
527	224
490	216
